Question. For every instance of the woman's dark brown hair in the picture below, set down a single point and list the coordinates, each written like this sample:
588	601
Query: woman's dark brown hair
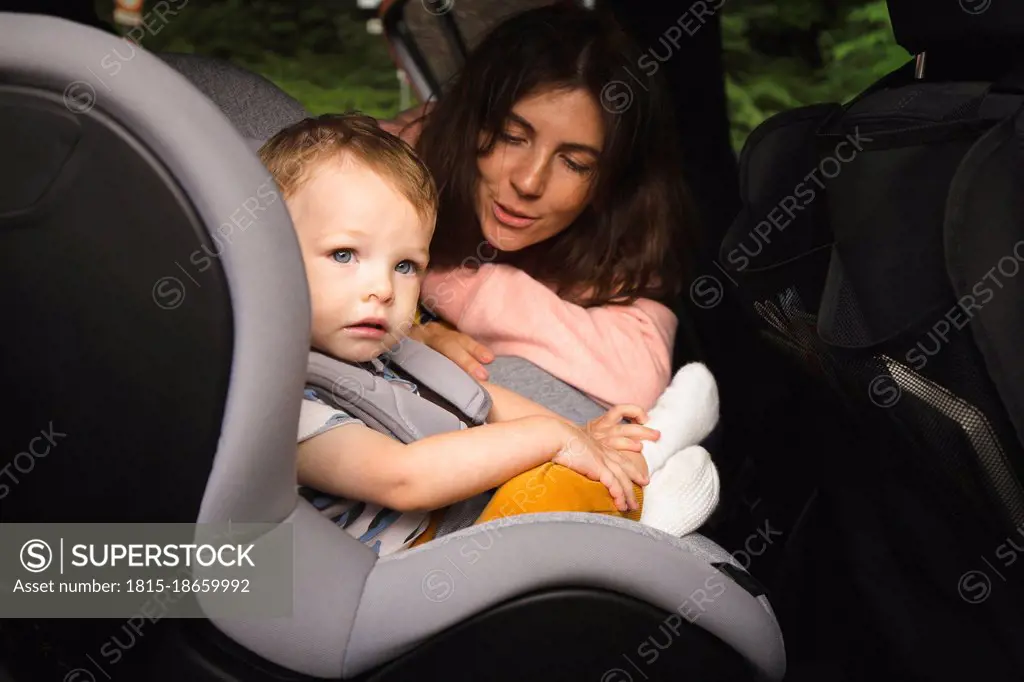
630	240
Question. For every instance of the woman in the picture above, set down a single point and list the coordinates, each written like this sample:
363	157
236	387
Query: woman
562	214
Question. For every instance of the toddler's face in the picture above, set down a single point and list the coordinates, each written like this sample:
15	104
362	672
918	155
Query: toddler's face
365	249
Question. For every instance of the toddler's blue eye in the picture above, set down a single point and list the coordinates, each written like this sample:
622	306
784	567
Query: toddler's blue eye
342	255
406	267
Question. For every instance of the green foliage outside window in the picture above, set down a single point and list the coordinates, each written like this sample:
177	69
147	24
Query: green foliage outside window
319	52
796	52
779	54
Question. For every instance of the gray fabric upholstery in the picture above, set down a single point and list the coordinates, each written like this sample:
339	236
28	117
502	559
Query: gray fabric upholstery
255	106
329	572
377	402
427	366
404	415
445	581
530	381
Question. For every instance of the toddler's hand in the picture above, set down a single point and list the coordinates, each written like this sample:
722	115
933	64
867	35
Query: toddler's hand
589	457
627	439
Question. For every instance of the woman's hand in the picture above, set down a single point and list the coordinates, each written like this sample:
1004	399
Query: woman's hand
590	457
460	348
407	124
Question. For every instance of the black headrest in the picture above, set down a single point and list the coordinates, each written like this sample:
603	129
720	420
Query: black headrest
255	106
966	25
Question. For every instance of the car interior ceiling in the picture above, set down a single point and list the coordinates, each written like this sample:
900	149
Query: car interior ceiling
788	445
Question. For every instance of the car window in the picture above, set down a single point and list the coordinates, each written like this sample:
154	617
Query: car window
325	54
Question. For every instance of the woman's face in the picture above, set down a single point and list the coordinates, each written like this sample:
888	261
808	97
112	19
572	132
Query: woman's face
538	177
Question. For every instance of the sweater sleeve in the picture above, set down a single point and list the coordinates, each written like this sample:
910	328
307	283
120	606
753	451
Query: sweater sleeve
614	353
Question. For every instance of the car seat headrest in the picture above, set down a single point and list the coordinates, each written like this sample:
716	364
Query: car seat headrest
254	105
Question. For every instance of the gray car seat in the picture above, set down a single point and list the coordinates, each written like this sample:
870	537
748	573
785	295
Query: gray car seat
170	344
529	380
256	107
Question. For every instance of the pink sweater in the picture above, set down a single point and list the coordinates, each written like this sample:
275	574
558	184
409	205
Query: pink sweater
615	353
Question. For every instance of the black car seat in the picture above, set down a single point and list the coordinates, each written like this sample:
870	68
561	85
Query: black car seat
866	231
172	349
